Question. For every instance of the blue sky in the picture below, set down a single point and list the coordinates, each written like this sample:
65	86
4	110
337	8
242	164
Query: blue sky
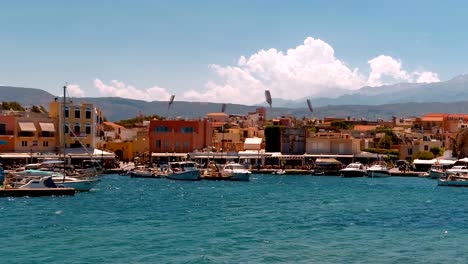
193	49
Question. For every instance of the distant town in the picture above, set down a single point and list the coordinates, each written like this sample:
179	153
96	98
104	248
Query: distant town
29	134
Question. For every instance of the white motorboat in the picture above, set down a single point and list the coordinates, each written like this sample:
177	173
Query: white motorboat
355	169
183	170
457	180
236	172
378	170
436	171
458	169
80	185
38	183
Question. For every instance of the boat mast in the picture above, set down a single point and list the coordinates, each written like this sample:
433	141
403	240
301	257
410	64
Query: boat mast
63	125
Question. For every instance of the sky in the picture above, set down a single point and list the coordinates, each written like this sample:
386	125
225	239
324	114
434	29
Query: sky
228	51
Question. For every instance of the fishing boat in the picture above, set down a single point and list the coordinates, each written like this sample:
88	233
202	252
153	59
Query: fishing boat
355	169
436	171
183	170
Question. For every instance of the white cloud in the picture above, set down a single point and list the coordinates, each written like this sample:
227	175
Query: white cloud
427	77
120	89
308	69
75	90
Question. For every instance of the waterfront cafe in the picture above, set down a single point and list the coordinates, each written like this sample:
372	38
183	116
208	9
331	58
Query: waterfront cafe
165	157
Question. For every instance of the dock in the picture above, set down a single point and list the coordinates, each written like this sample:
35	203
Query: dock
16	192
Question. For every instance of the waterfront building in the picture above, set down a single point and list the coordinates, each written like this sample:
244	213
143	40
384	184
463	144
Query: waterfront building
27	132
179	136
331	143
82	124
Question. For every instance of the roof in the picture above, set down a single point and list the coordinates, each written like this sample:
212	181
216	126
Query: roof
113	125
432	118
364	127
255	140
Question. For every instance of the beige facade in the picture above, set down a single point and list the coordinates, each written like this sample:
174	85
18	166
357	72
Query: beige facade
332	143
407	151
82	124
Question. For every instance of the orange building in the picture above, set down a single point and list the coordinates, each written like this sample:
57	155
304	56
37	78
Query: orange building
7	133
180	136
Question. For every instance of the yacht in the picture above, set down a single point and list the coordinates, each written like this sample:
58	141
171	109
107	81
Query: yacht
354	169
236	172
378	170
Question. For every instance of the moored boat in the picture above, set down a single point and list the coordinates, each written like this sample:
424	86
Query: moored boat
236	172
378	170
456	180
354	169
183	170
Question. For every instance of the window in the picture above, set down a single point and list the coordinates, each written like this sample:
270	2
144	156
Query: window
161	129
88	129
166	144
186	130
158	144
410	152
24	143
2	129
426	147
77	128
88	112
66	112
45	143
177	144
66	128
77	112
186	145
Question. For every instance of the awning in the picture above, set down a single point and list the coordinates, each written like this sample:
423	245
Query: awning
169	154
27	126
47	127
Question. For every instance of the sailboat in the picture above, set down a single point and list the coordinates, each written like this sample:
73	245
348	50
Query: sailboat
80	181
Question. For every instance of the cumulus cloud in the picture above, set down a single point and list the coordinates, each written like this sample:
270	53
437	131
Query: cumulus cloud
75	90
306	70
120	89
427	77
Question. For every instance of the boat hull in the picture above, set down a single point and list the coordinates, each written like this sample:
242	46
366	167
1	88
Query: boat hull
79	185
378	173
433	174
192	175
240	176
352	173
454	183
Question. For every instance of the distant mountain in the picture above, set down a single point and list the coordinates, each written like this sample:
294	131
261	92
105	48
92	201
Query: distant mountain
452	90
404	99
25	96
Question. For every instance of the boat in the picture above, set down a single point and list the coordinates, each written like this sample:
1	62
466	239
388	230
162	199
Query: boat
213	172
436	171
378	170
236	172
458	169
327	166
183	170
355	169
279	172
454	179
80	185
144	172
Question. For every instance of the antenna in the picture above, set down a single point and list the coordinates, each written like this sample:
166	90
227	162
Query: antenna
223	108
268	99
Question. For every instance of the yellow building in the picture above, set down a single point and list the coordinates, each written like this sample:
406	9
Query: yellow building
123	150
82	124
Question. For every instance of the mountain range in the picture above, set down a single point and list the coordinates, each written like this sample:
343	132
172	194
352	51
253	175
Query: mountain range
403	99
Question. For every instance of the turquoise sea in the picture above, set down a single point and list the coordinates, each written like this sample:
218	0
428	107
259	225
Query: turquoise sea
271	219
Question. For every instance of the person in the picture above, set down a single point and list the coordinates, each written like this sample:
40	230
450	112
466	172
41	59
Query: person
2	175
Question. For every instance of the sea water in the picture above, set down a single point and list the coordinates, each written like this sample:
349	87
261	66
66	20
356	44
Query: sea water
271	219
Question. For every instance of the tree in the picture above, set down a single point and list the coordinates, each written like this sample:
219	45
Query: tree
385	142
15	106
437	151
35	109
424	155
341	125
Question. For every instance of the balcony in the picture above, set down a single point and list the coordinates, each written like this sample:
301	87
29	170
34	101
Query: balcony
7	132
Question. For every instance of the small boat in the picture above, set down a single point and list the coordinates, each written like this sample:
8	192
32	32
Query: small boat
43	182
378	170
144	172
80	185
436	171
355	169
236	172
183	170
279	172
458	169
457	180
